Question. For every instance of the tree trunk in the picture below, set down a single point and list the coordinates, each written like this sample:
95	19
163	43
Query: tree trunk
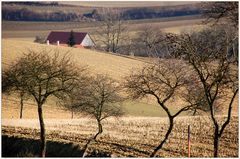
21	106
216	141
42	132
165	138
100	130
85	148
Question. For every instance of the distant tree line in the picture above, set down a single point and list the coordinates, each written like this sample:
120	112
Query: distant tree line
145	13
25	14
149	13
22	13
33	3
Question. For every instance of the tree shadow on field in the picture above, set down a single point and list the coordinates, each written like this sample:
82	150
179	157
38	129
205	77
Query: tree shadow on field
25	147
126	148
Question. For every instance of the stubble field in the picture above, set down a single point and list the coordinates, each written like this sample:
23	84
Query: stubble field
132	136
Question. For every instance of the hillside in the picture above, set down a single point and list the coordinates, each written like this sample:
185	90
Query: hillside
17	29
142	79
29	11
115	66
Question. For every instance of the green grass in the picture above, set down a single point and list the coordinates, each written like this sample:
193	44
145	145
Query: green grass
11	108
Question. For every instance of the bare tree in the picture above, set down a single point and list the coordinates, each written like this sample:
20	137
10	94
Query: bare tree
111	30
78	97
101	100
216	11
194	95
150	41
39	39
104	100
216	74
206	43
71	40
7	89
41	76
163	81
226	13
23	96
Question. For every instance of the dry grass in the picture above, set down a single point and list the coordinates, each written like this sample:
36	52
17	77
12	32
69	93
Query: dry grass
23	30
11	109
36	26
165	24
115	66
52	110
182	29
134	136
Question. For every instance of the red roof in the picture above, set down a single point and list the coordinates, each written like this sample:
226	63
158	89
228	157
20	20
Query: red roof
63	37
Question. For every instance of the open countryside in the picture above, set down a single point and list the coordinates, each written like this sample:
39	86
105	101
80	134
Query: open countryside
142	123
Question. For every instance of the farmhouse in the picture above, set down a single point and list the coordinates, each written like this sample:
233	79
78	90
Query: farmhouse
61	38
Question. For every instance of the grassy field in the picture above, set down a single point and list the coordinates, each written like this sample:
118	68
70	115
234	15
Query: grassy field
23	30
116	67
51	110
126	137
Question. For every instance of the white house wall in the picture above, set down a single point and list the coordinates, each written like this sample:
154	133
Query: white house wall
87	41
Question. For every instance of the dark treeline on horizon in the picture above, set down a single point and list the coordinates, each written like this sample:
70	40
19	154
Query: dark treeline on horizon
33	3
25	13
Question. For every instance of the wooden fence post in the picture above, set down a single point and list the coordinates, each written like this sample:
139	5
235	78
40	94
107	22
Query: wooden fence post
189	141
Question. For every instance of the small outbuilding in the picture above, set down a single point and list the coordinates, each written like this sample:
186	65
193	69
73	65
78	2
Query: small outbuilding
82	40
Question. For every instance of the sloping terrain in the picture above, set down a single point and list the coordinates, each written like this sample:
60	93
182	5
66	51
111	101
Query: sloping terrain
115	66
97	62
122	137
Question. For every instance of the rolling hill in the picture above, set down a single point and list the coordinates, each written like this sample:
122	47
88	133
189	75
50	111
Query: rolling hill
135	134
115	66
